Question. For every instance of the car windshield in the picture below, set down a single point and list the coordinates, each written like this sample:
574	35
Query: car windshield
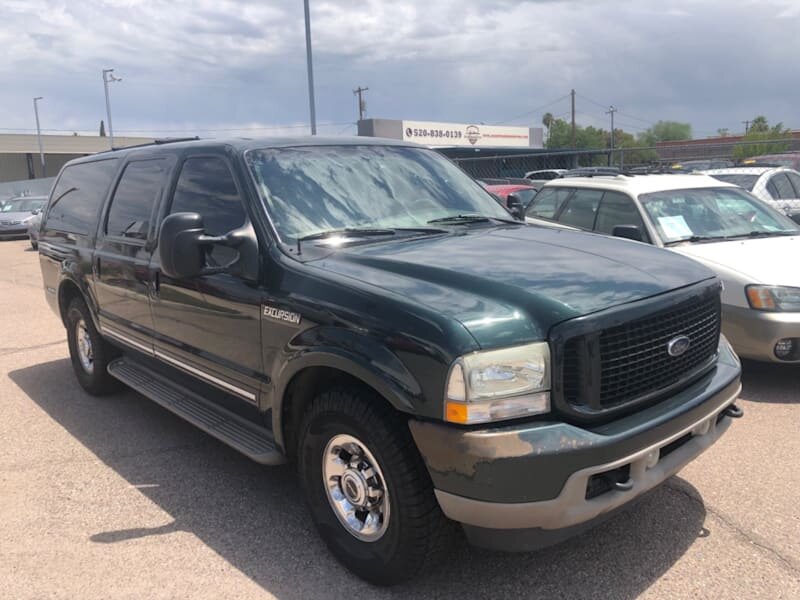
712	213
313	189
741	179
23	205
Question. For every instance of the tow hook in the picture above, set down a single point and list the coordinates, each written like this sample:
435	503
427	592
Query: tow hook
733	411
623	486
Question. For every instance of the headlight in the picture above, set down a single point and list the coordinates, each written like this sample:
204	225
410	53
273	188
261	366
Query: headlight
499	384
773	298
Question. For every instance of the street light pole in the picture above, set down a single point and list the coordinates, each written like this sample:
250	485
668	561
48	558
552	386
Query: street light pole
109	77
310	66
611	110
39	134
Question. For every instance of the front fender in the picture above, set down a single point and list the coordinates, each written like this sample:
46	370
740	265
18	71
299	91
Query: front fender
363	357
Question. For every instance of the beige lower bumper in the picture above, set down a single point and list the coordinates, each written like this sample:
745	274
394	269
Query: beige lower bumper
571	507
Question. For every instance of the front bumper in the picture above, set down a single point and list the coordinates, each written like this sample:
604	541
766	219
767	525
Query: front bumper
14	230
753	333
508	485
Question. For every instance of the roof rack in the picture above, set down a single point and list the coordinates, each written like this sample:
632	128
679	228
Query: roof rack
156	142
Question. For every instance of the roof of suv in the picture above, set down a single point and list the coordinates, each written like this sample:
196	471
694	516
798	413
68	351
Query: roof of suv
745	170
640	184
242	144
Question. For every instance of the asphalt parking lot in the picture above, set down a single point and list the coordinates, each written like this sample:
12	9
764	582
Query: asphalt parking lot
116	497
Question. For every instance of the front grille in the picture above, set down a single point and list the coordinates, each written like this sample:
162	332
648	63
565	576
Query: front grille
625	363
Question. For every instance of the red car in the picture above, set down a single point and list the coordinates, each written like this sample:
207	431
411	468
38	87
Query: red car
524	192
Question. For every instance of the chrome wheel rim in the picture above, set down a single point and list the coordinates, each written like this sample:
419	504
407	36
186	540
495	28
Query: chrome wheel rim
84	343
356	488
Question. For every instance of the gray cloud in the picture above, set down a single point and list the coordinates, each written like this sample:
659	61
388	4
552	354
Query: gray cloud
208	64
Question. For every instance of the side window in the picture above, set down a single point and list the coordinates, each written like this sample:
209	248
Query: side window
782	186
795	179
77	196
617	209
206	186
581	209
546	203
137	192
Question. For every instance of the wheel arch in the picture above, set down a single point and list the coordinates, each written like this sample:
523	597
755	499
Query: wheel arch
306	376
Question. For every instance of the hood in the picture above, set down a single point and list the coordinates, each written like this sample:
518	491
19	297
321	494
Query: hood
511	284
759	260
15	216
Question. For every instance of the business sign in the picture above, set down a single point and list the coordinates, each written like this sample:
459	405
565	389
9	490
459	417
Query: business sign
461	134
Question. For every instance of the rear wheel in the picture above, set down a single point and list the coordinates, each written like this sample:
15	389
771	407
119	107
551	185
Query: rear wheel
367	488
89	352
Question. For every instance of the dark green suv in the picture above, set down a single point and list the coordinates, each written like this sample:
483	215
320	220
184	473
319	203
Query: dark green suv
363	308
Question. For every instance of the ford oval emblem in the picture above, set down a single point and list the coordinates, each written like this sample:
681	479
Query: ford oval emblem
679	345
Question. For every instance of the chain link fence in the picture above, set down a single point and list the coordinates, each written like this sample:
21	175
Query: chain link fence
508	163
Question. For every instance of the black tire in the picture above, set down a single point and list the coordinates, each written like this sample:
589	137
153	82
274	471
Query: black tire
96	380
417	533
34	245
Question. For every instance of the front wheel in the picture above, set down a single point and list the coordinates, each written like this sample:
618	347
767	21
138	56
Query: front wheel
367	488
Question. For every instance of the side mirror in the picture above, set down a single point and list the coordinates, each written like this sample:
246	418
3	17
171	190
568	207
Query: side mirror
183	246
629	232
514	205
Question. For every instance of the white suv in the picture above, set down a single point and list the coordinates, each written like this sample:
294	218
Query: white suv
750	245
779	186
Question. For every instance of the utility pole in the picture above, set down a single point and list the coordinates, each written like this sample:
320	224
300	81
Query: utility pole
362	105
746	126
310	67
39	134
109	77
611	110
572	135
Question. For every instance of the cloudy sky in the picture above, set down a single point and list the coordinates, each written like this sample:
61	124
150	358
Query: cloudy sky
215	67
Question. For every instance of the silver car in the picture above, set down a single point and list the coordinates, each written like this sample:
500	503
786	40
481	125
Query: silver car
17	214
778	186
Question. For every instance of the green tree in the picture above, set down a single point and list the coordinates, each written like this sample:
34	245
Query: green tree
762	139
665	131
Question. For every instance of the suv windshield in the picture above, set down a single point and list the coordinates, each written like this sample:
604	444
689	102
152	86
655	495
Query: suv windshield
23	205
712	213
314	189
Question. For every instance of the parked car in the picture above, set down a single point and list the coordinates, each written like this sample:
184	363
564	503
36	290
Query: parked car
17	213
784	159
778	186
747	243
690	166
351	305
524	193
545	174
503	181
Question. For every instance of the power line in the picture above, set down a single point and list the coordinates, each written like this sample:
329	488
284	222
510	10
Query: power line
191	130
530	112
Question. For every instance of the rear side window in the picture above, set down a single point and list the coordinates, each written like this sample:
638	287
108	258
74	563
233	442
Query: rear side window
783	186
137	192
617	209
206	186
581	209
547	202
76	199
795	179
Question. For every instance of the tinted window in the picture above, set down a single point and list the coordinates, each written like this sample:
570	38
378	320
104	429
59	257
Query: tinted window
581	209
617	209
795	179
783	186
206	186
77	196
525	196
136	193
547	202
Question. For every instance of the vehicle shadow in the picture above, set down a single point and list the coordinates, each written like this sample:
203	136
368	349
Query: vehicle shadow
253	517
770	382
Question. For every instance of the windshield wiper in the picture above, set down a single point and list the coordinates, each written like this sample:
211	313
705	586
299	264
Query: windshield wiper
364	232
696	238
472	219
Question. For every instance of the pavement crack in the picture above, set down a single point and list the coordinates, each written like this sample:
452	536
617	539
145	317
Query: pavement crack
752	538
7	351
